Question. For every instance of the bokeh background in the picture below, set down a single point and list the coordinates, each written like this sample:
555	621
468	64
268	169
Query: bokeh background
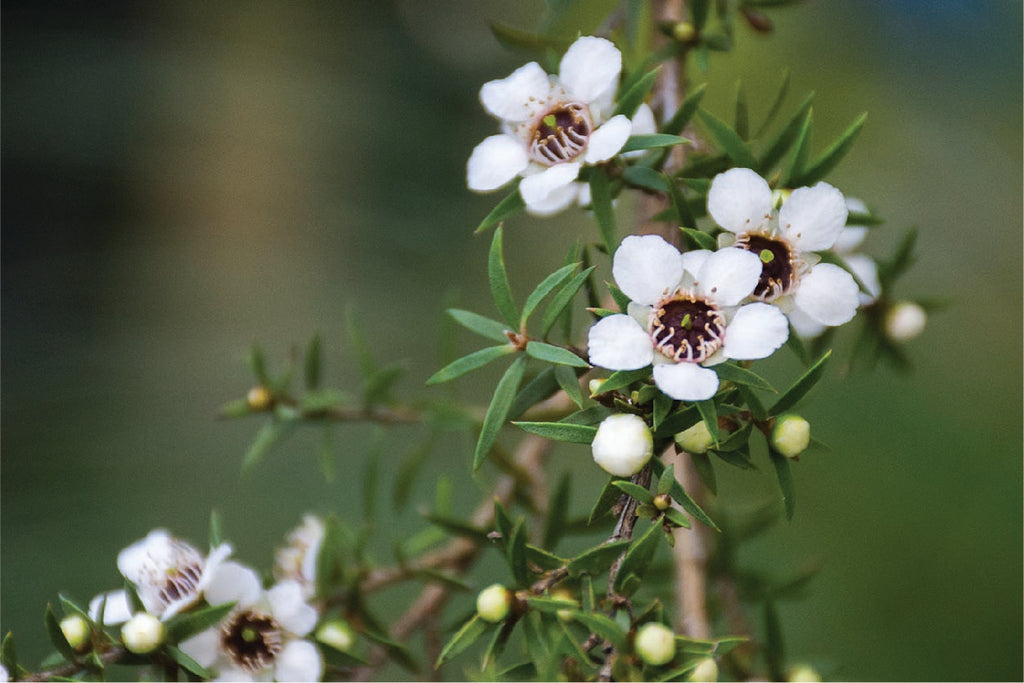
184	179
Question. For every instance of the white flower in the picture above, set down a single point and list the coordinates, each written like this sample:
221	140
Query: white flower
684	315
810	220
298	558
168	574
262	637
552	126
622	445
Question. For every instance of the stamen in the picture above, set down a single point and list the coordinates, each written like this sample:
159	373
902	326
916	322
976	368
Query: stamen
685	328
561	134
779	274
252	640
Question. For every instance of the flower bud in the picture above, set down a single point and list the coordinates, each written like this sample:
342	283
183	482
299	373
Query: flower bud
802	673
622	445
76	631
259	398
338	634
904	321
493	602
655	643
143	633
566	595
706	670
684	31
791	435
696	439
595	386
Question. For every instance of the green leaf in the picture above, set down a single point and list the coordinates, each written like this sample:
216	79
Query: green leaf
677	517
622	379
662	407
640	142
727	372
517	38
408	470
706	472
634	490
680	495
558	513
602	625
471	362
53	629
313	363
801	148
832	156
463	638
620	299
601	203
800	388
357	340
666	479
902	258
503	524
729	140
709	413
187	624
216	537
597	560
774	652
785	477
561	299
498	410
269	434
542	558
550	605
485	327
686	110
569	383
554	354
550	283
647	178
560	431
776	105
637	559
501	290
702	239
536	390
636	93
189	664
258	366
515	553
456	526
757	409
684	215
318	400
513	203
678	421
8	655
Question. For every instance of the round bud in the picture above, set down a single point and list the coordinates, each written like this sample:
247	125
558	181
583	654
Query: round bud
663	501
802	673
493	602
337	633
595	386
696	439
655	643
566	595
259	398
706	670
76	631
791	435
622	445
684	31
904	321
143	633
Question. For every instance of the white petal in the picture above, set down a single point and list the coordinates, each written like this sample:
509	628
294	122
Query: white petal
233	582
516	97
643	121
290	609
686	381
827	294
617	342
813	217
849	239
804	325
558	200
729	275
606	141
202	647
537	188
739	200
494	162
694	260
116	610
640	313
299	661
645	267
589	67
865	268
756	331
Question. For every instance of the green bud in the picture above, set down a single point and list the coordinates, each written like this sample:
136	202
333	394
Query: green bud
143	633
259	398
493	602
791	435
684	31
76	631
655	643
696	439
337	633
705	671
663	501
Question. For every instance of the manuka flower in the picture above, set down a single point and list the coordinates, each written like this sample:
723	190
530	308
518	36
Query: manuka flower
810	220
297	559
684	315
169	576
552	126
262	637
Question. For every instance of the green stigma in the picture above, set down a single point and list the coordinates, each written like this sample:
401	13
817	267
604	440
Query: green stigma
250	635
550	121
766	256
686	322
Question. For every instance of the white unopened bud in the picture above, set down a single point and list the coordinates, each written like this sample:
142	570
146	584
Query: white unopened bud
143	633
655	643
696	439
76	631
802	673
595	386
338	634
622	445
705	671
565	595
904	321
791	435
493	602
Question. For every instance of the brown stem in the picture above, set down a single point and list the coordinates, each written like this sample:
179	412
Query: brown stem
111	656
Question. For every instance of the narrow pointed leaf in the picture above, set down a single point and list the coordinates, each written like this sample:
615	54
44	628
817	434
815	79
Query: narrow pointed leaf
188	624
601	203
512	204
623	378
569	383
269	434
647	178
560	431
550	283
639	557
517	38
782	143
313	363
501	290
702	239
562	299
485	327
56	634
258	366
634	490
757	408
516	554
801	148
686	110
189	664
597	560
636	93
785	477
832	156
602	625
776	106
555	354
609	495
680	495
463	638
684	215
475	360
655	141
504	393
801	386
727	372
666	479
729	140
558	513
536	390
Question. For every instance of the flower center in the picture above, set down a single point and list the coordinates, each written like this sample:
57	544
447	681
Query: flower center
687	328
180	582
778	274
561	134
252	639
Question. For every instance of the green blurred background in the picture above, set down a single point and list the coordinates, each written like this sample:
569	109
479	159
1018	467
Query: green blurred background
183	179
